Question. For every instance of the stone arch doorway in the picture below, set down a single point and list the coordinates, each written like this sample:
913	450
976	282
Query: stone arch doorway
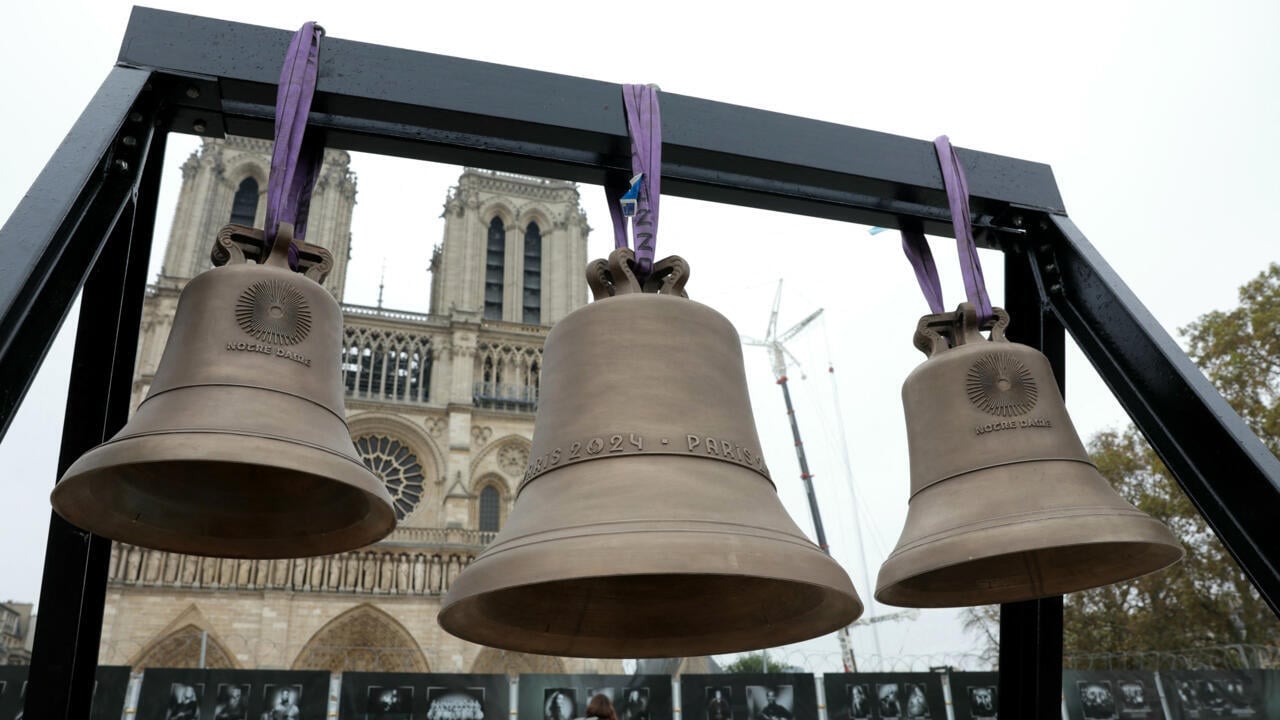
493	660
181	649
362	639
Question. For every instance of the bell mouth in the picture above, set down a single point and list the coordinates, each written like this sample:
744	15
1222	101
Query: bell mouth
275	499
655	615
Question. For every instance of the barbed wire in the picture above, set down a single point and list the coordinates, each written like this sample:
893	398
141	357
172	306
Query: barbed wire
1216	657
821	662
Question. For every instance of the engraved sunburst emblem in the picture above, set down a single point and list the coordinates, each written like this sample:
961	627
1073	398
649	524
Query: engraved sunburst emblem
1001	385
274	311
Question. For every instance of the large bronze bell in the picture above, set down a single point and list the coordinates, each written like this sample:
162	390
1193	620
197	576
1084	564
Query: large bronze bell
241	447
647	524
1005	503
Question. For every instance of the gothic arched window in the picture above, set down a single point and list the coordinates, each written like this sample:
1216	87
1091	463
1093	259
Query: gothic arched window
532	274
490	505
494	267
245	205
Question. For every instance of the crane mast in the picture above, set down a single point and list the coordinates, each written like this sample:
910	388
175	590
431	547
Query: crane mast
778	354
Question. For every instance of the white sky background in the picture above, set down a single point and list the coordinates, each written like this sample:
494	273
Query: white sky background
1159	120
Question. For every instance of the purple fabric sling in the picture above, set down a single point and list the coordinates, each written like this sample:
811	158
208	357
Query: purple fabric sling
295	158
644	126
917	248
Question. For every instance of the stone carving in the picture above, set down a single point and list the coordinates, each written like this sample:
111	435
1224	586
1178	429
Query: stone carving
131	567
419	573
402	574
355	572
513	458
436	425
480	435
346	645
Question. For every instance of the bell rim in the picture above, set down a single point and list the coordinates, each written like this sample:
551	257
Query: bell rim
837	610
762	561
76	496
1136	530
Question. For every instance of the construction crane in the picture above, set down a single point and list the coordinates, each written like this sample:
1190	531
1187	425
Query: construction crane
778	354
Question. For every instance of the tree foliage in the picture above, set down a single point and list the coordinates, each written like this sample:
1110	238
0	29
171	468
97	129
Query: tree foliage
1205	600
755	663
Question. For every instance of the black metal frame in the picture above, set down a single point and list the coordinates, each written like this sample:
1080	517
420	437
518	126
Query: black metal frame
86	224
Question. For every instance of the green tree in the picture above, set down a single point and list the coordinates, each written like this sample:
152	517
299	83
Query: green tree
1205	600
755	663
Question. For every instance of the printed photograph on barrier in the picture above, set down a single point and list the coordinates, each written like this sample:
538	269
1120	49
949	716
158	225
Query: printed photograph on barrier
772	702
559	704
633	705
749	696
884	696
388	703
1111	695
634	697
184	701
975	696
232	702
718	704
456	703
282	702
423	696
1213	694
858	695
1097	702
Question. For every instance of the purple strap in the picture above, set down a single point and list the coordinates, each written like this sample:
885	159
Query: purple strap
917	249
295	161
921	257
644	126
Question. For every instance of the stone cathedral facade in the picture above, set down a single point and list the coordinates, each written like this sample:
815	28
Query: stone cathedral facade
440	406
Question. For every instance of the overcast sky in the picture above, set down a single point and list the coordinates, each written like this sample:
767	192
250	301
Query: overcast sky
1158	118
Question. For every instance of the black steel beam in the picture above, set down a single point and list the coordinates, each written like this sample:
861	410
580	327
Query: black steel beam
433	107
1031	631
1228	473
57	230
73	587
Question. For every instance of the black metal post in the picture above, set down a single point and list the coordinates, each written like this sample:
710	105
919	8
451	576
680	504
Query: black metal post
1224	469
54	235
73	588
1031	631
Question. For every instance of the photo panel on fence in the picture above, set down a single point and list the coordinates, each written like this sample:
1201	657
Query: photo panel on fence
1111	695
779	696
564	697
194	694
13	682
110	692
975	695
884	696
111	684
1205	694
424	696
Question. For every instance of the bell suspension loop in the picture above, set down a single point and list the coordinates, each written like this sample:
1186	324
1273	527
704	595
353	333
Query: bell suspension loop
639	198
295	157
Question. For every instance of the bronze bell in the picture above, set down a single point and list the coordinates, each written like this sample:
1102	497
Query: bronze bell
1005	503
647	524
241	447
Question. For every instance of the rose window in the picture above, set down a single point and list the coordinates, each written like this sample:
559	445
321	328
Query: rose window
397	467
